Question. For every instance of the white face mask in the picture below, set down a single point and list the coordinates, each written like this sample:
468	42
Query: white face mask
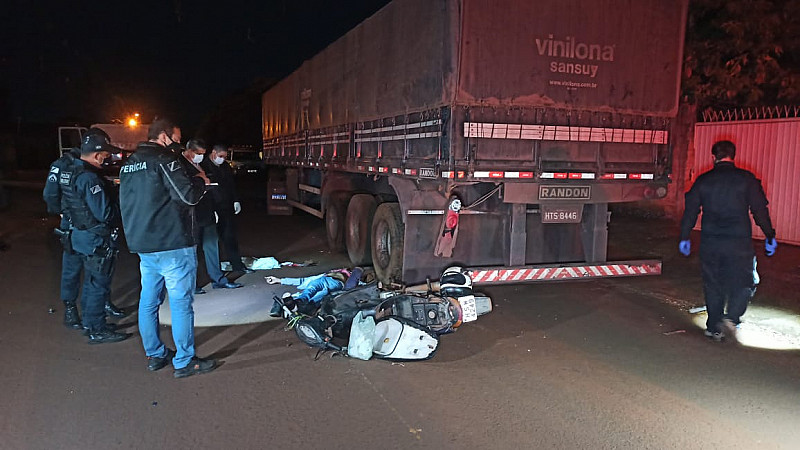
218	160
197	159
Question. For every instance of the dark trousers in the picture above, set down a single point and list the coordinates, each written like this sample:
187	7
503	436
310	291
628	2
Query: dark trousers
209	242
727	265
96	290
227	234
71	265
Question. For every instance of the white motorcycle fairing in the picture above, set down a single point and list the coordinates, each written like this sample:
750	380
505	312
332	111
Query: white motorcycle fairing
399	338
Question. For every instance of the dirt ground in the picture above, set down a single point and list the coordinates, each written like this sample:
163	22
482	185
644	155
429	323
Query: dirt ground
595	364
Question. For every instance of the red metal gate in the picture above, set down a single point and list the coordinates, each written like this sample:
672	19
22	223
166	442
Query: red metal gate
771	150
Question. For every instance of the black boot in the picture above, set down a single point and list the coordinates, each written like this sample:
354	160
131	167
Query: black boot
113	311
71	317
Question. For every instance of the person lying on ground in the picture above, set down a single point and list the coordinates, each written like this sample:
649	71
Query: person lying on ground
315	288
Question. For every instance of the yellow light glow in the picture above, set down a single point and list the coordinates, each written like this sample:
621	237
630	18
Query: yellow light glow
132	122
764	327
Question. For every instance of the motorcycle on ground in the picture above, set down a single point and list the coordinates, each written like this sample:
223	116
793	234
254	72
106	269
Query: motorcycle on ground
402	324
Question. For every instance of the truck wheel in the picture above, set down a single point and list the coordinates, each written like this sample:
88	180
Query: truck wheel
334	221
387	242
358	228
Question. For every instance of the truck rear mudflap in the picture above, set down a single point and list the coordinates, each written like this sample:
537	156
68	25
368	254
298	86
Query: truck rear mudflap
557	272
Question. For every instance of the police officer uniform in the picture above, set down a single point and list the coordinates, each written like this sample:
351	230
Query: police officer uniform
93	224
71	263
727	196
58	179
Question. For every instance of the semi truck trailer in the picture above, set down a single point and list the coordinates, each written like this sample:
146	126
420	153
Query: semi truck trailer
487	134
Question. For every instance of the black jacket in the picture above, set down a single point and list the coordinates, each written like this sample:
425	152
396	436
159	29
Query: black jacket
60	172
727	196
156	196
224	194
91	208
204	210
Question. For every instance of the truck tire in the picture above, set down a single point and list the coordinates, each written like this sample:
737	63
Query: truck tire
358	228
335	209
388	235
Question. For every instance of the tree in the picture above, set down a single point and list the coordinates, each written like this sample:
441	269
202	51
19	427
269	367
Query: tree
742	53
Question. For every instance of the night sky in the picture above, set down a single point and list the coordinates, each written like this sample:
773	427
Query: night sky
96	61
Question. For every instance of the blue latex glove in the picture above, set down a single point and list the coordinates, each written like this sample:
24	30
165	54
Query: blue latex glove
769	246
685	247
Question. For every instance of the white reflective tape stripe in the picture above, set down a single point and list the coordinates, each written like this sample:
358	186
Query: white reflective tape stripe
448	174
506	274
399	127
425	212
400	137
481	175
564	133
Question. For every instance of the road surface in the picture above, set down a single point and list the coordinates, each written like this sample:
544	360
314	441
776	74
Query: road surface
597	364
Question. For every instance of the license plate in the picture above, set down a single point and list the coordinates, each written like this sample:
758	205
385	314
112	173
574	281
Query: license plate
561	213
468	311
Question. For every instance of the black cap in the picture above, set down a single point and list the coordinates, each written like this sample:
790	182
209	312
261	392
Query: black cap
92	143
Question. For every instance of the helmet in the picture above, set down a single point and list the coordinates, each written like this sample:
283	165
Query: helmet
455	282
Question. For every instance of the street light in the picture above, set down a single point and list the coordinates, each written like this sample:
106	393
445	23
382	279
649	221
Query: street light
133	121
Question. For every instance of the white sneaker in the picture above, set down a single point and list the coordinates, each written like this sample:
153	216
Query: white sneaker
716	336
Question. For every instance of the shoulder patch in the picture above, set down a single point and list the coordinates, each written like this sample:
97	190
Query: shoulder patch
174	165
52	178
53	169
95	189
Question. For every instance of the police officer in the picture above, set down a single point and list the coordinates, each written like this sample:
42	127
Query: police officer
156	199
59	178
727	195
93	218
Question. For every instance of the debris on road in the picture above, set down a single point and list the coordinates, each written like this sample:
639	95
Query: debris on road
670	333
265	263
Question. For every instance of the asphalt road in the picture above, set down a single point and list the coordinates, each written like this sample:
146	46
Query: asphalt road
597	364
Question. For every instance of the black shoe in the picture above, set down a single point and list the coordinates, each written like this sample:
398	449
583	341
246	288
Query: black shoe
199	291
155	363
108	326
276	310
226	285
113	311
71	317
196	367
106	336
244	270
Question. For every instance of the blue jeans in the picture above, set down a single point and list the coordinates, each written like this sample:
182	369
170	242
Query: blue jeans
210	243
319	288
177	271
